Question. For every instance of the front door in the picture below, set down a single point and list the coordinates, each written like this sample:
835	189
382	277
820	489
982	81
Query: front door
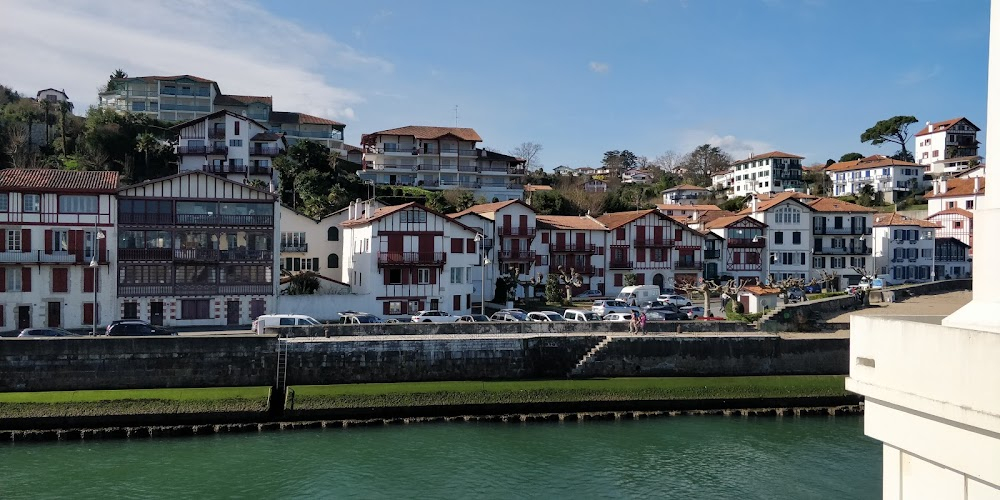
232	312
23	317
54	310
156	313
256	308
435	304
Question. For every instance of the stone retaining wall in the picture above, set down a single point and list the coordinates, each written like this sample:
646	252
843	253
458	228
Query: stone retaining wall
494	328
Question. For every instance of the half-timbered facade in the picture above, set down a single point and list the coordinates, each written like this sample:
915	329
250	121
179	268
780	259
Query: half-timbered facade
196	249
410	258
574	243
55	226
743	248
951	259
650	245
954	223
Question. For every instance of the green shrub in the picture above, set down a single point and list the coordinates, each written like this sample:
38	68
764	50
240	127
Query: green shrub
814	296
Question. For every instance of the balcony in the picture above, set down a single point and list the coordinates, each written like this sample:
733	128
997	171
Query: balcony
259	170
301	247
517	255
687	264
224	169
486	244
468	168
217	133
468	152
430	259
833	231
313	134
202	150
196	255
146	219
201	92
224	220
184	107
145	254
265	151
620	264
572	248
244	255
648	243
41	257
713	254
427	167
522	231
862	250
125	290
745	243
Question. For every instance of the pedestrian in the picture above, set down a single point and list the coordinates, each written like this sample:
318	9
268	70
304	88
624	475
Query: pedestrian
725	300
633	324
642	322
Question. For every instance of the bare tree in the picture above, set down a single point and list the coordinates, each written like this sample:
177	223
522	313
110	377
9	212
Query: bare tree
666	161
703	287
569	279
528	151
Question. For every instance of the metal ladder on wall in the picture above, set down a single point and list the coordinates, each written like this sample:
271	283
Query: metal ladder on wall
281	373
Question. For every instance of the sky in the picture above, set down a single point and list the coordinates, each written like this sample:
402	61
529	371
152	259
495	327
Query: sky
805	77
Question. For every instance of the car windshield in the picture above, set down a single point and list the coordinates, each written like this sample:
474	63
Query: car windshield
591	316
368	319
518	316
553	316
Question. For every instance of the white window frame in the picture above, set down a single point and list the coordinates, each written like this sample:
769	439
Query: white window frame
14	240
14	283
423	276
4	202
31	203
60	241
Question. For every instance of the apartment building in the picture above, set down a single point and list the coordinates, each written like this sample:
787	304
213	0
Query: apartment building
713	252
576	243
410	258
316	245
230	145
654	247
636	176
904	247
439	158
725	181
196	249
684	194
55	267
894	179
743	246
772	172
964	193
947	146
787	217
841	240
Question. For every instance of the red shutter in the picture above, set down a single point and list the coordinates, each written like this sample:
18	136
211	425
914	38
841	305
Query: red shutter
25	240
102	250
88	280
523	222
618	279
60	279
385	276
658	234
48	241
456	303
456	245
470	245
545	237
640	255
538	260
640	233
620	234
434	276
385	308
3	279
406	274
76	241
678	234
88	313
26	279
2	316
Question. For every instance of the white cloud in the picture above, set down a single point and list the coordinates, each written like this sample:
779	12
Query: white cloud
246	49
919	75
599	67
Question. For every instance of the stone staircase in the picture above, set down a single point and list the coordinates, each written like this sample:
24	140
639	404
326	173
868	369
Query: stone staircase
578	369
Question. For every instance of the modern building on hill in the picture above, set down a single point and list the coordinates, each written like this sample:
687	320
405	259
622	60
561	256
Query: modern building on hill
575	244
55	266
636	176
439	158
964	193
724	181
410	258
894	179
51	95
947	146
684	194
772	172
196	249
230	145
684	210
903	247
595	186
788	221
842	240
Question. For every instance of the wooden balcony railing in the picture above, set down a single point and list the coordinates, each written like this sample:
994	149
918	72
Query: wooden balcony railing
572	248
411	258
653	243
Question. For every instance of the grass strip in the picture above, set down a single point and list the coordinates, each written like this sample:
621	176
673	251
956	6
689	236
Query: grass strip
312	397
132	402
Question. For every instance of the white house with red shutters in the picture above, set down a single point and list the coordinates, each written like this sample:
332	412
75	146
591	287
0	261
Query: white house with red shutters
509	229
409	258
56	225
743	247
656	248
572	242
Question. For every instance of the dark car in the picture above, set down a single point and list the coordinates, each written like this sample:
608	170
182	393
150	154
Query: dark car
107	331
46	332
137	329
665	315
814	288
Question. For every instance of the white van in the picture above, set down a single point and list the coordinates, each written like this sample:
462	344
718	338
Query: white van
877	282
580	315
269	320
639	295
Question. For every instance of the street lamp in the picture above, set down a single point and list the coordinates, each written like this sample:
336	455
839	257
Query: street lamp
481	244
767	262
98	236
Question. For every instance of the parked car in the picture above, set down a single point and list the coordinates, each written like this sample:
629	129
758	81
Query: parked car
677	300
693	312
509	316
545	316
433	317
268	320
46	332
588	295
581	315
358	318
133	328
603	307
665	315
619	317
514	309
393	320
660	305
814	288
473	318
115	322
638	295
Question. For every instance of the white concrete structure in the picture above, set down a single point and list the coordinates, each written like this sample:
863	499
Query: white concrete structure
684	194
595	186
950	139
894	179
772	172
51	95
654	247
233	146
54	224
196	249
636	176
964	193
841	240
758	299
438	158
168	98
789	223
409	258
724	181
509	229
903	247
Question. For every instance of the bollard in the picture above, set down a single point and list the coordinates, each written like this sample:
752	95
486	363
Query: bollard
326	332
679	329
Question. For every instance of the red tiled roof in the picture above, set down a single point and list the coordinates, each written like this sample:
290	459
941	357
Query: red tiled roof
300	118
711	215
964	186
761	290
529	187
266	136
685	187
942	126
835	205
237	100
896	219
954	211
874	161
776	199
425	132
726	221
38	179
581	223
486	208
772	154
618	219
697	208
386	211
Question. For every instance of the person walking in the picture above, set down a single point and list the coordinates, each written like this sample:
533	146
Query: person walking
642	323
633	324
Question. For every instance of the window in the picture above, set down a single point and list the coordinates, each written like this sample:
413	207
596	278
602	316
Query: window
838	222
3	202
796	237
13	280
779	237
60	240
958	224
13	240
138	106
395	276
413	216
395	308
935	153
423	276
195	309
235	143
620	234
968	205
951	204
236	128
457	274
30	203
333	234
333	261
545	237
131	310
293	242
60	280
819	261
77	204
787	215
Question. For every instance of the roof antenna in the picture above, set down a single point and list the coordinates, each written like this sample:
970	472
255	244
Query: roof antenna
456	115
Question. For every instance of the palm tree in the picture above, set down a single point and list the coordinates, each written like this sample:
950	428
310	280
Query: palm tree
146	143
47	104
119	74
64	107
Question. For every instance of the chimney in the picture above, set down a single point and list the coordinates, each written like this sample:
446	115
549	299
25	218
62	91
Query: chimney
936	185
350	211
930	128
694	216
357	208
975	183
753	205
944	186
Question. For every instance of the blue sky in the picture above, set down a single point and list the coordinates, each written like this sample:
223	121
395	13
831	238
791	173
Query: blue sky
580	78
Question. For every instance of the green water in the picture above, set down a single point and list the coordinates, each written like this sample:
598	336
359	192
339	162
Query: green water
677	457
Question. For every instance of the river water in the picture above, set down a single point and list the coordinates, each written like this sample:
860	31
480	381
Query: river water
671	457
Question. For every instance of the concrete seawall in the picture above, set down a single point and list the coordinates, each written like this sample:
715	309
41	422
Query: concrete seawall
500	328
